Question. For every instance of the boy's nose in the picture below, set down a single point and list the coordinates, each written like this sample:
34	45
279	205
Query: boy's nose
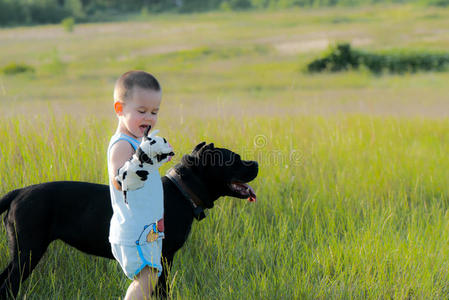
150	118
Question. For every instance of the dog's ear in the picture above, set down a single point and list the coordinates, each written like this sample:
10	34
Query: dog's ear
204	148
145	135
198	147
193	159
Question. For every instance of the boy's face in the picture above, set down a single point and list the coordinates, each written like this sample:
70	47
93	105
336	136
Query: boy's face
139	111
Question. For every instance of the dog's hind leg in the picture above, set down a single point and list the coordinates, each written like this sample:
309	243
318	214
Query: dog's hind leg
26	250
5	291
5	273
18	271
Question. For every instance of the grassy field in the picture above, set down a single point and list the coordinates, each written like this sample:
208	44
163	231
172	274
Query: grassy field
352	191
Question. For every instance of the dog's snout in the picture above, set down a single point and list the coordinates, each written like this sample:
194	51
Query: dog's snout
252	168
253	164
256	167
250	163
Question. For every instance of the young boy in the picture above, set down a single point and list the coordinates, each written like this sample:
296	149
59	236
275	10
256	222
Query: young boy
136	228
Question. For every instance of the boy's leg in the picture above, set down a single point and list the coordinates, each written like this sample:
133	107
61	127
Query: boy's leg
143	285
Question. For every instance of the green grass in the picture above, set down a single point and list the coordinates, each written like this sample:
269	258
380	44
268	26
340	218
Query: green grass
352	189
351	206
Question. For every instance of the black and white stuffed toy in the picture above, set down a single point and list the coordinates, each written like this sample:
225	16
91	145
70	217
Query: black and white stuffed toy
152	153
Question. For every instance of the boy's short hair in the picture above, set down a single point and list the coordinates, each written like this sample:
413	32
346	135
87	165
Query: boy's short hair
129	80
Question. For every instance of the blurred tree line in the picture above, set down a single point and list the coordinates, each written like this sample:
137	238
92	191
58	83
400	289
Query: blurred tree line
14	12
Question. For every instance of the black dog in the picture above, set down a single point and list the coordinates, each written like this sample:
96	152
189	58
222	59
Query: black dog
79	213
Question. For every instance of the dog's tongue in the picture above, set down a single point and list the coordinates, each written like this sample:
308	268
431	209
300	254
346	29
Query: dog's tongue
244	188
252	194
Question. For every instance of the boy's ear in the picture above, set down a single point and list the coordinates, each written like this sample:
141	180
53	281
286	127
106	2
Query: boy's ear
118	107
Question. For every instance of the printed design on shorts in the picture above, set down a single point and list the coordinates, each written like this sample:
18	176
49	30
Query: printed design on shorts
151	233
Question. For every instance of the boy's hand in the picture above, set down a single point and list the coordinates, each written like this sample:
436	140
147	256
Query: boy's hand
150	155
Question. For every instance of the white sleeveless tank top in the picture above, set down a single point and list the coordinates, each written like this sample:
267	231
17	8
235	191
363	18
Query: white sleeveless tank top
145	205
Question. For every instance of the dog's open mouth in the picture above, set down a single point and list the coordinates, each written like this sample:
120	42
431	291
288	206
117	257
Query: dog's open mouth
243	190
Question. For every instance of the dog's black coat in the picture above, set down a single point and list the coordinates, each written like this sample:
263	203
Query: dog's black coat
79	213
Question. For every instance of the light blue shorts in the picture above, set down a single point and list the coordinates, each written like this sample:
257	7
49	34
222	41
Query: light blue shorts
133	258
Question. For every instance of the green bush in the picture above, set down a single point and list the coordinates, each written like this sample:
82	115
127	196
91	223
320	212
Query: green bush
68	24
225	6
440	3
342	57
14	12
239	4
17	68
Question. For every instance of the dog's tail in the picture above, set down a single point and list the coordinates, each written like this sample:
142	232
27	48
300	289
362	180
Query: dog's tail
5	202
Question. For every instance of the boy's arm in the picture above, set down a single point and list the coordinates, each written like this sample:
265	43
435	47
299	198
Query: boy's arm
120	153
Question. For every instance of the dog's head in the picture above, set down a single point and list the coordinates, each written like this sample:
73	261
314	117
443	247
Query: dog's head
154	149
222	171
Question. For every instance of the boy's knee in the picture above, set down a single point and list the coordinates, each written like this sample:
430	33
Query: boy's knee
147	277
